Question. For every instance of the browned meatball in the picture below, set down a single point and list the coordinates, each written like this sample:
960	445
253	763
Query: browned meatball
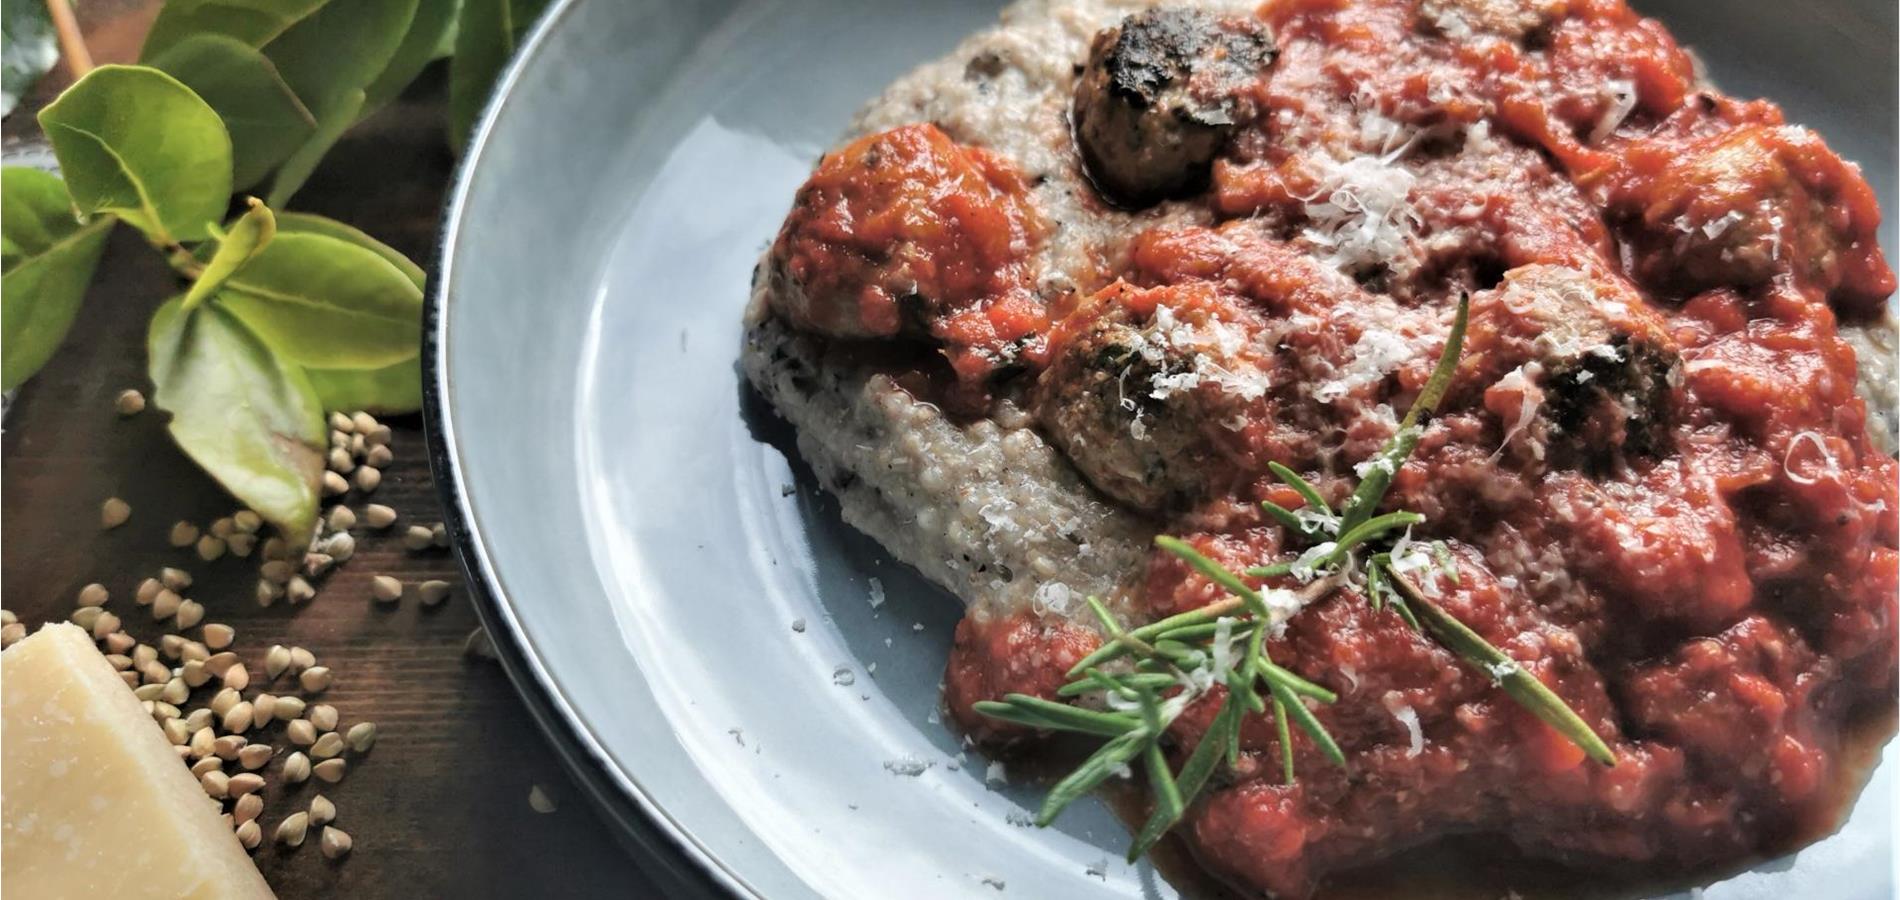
1575	363
1140	382
1162	92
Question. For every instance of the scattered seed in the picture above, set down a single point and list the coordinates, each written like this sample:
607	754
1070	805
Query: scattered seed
148	692
341	422
433	592
130	402
193	673
241	544
208	763
222	701
193	650
147	591
176	731
301	659
385	589
217	663
327	746
341	518
367	479
85	616
277	571
247	521
362	423
255	756
11	634
114	512
219	635
217	784
301	732
145	653
275	548
379	456
315	563
418	537
289	708
267	593
162	711
119	661
539	801
299	590
237	677
224	527
276	660
210	547
315	679
245	783
172	645
118	642
199	718
155	672
334	485
378	516
249	834
248	807
93	594
190	613
330	770
296	768
335	843
106	623
357	445
176	691
340	461
378	436
362	736
290	832
340	547
226	747
322	811
131	679
176	579
166	604
324	716
263	709
237	719
478	645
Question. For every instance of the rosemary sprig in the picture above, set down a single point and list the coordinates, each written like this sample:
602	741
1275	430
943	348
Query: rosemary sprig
1190	651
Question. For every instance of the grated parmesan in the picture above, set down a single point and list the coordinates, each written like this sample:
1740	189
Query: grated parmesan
1408	717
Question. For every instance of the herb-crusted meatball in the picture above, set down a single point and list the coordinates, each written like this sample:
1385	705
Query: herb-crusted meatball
1139	384
1162	92
1578	368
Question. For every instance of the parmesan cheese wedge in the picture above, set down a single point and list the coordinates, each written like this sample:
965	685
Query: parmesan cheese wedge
93	799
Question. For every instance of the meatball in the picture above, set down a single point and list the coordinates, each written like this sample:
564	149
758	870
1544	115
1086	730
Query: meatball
1739	207
907	232
1162	92
1139	383
1575	364
1509	19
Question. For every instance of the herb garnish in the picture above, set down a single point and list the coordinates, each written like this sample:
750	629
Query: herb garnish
1194	650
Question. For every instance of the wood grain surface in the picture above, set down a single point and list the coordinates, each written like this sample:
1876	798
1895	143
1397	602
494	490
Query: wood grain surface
439	807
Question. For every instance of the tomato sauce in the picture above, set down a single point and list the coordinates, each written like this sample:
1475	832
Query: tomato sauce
1706	571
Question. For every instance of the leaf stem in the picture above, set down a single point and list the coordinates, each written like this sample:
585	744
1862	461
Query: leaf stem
72	42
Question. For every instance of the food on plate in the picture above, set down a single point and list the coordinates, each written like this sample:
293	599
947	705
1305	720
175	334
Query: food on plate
96	801
1366	421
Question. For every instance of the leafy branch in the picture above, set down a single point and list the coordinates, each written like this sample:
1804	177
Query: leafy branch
281	315
1144	678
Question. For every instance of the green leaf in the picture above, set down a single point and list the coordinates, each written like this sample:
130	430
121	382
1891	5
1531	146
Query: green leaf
326	303
308	223
134	142
329	58
486	36
254	22
264	117
391	390
296	170
48	260
245	415
28	48
247	237
433	22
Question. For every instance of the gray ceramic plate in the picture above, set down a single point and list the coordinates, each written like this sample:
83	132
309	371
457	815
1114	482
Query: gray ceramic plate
646	548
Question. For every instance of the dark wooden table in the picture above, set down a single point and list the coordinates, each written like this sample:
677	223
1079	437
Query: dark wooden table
439	807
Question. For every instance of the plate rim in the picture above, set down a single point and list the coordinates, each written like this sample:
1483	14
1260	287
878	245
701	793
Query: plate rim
659	843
